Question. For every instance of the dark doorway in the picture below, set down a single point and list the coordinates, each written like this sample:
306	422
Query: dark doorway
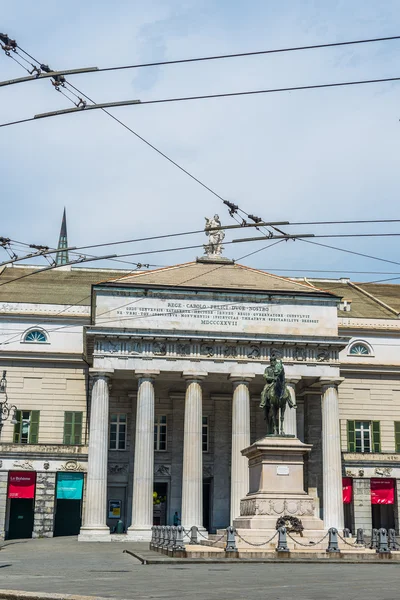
160	502
383	516
206	503
21	518
348	516
68	517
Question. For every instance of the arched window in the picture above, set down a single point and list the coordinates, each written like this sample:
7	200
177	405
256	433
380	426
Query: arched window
360	349
35	336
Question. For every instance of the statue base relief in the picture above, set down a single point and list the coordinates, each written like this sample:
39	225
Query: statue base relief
276	490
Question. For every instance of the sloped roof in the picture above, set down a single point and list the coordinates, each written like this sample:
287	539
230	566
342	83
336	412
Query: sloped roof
25	284
220	276
361	305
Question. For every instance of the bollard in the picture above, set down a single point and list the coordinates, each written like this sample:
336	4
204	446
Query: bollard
193	535
374	540
159	535
282	540
333	544
392	539
179	545
169	537
346	532
360	537
230	540
153	536
382	541
163	536
173	530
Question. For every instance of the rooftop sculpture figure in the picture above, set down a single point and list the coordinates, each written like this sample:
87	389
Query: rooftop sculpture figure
215	237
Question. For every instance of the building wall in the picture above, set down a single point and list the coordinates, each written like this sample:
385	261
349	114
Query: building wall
366	397
52	388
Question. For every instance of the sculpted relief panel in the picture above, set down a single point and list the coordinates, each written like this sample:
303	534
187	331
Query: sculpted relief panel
298	508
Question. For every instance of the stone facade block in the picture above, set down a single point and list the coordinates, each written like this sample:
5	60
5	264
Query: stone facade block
44	505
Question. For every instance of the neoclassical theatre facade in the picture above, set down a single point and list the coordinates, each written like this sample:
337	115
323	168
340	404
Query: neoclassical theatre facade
184	363
134	405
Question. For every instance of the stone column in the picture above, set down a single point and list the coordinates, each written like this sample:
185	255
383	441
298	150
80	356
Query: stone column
192	475
240	440
290	423
94	523
331	457
143	471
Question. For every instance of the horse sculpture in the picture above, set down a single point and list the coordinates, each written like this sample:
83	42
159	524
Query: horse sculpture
275	396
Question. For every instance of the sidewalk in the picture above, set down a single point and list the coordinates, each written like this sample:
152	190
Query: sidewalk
64	566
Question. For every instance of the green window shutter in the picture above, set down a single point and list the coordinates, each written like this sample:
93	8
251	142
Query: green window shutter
17	427
376	436
397	435
68	426
77	438
351	438
34	428
73	428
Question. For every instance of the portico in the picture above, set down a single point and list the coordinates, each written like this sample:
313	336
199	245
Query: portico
188	362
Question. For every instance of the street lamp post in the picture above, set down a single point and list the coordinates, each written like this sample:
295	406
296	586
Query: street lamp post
5	408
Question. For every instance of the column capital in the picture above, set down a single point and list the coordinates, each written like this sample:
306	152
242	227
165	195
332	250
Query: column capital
147	374
327	382
97	373
194	375
240	379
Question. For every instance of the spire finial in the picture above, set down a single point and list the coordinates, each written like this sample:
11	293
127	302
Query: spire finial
62	257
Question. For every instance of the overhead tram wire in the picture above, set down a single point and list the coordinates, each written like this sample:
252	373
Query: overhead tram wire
233	209
393	262
103	106
191	60
124	276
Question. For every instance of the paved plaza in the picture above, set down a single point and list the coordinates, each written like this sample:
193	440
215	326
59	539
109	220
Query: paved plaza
62	565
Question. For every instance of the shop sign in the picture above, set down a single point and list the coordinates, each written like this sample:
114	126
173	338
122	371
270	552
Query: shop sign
347	490
382	491
69	486
21	484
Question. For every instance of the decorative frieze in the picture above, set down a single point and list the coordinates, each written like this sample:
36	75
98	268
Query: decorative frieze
240	351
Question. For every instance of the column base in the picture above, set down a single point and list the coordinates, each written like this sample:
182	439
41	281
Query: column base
94	534
138	534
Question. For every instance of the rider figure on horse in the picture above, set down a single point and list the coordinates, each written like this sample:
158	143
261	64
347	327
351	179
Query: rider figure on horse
275	396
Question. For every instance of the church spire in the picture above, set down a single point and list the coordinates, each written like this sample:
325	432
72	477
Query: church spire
62	257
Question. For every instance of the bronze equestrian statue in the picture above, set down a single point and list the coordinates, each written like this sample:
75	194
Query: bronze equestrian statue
275	396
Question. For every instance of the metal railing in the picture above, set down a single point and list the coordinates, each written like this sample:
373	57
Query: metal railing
172	540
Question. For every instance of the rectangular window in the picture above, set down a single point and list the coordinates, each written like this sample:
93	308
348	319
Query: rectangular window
26	430
160	433
205	434
118	432
73	428
397	435
363	436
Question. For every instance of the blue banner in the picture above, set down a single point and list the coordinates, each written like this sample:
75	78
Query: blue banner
69	486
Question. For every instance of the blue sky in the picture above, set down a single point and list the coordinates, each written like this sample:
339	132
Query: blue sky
301	156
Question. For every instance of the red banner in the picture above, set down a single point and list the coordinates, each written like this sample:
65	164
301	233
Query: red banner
382	491
21	485
347	490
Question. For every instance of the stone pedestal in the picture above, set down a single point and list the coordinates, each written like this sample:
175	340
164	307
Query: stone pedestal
276	488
